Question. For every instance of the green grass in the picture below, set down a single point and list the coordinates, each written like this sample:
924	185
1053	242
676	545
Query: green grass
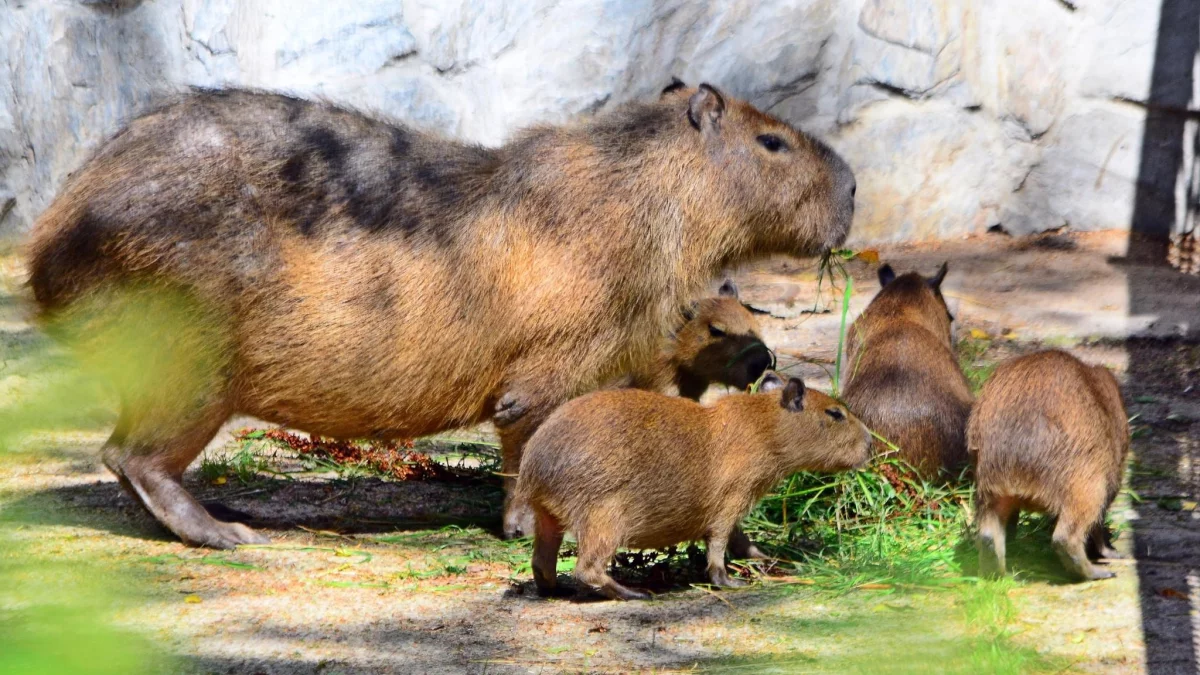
971	358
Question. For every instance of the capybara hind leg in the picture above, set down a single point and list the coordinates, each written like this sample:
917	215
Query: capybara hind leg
994	516
1068	539
548	536
718	574
1098	540
741	548
597	544
151	469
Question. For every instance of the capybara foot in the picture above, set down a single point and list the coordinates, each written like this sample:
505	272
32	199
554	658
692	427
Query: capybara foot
166	499
615	591
721	578
228	536
1098	545
1074	559
991	561
741	548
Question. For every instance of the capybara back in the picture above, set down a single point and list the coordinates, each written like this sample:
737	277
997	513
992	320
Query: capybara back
902	377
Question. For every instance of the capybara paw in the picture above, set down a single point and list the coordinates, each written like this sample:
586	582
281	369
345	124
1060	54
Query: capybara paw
1098	573
622	593
721	578
228	536
518	522
1112	554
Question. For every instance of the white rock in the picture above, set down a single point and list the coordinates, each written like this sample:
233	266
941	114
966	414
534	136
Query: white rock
956	114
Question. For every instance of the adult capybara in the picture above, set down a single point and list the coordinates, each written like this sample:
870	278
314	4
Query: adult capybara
630	468
901	375
1048	434
361	278
720	341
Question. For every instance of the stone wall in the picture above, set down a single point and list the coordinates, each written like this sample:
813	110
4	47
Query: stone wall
957	115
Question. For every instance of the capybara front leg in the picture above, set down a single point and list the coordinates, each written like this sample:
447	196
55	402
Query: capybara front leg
518	516
547	539
718	574
1068	540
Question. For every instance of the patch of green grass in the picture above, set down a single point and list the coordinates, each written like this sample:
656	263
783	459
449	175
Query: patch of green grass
876	525
243	460
971	358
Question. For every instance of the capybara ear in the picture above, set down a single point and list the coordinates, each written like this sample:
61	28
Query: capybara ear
705	108
886	275
770	382
728	289
793	395
689	312
676	85
936	280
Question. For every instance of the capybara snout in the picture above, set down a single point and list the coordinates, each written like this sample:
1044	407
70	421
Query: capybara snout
721	341
1048	434
634	468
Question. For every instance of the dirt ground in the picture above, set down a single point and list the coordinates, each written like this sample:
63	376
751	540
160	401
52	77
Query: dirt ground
373	576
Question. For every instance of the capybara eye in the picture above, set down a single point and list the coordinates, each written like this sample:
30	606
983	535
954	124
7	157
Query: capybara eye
715	332
772	142
836	414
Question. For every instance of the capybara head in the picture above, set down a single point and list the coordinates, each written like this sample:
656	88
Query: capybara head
815	432
914	298
791	189
721	342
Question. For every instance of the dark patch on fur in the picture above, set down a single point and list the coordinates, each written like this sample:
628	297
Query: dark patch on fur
626	136
401	144
293	169
326	144
75	254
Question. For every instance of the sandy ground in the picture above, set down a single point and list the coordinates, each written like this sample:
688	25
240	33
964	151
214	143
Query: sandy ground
367	577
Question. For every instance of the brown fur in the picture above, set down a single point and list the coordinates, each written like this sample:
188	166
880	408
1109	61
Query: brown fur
902	377
374	280
720	342
643	470
1049	434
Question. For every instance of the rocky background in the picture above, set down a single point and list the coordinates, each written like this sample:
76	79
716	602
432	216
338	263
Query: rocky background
957	115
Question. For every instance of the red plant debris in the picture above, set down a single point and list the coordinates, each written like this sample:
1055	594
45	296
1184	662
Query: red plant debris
395	459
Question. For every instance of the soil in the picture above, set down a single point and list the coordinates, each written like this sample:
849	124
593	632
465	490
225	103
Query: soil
365	575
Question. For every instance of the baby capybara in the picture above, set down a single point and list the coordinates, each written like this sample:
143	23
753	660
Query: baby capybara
1048	434
353	277
902	377
720	342
630	468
